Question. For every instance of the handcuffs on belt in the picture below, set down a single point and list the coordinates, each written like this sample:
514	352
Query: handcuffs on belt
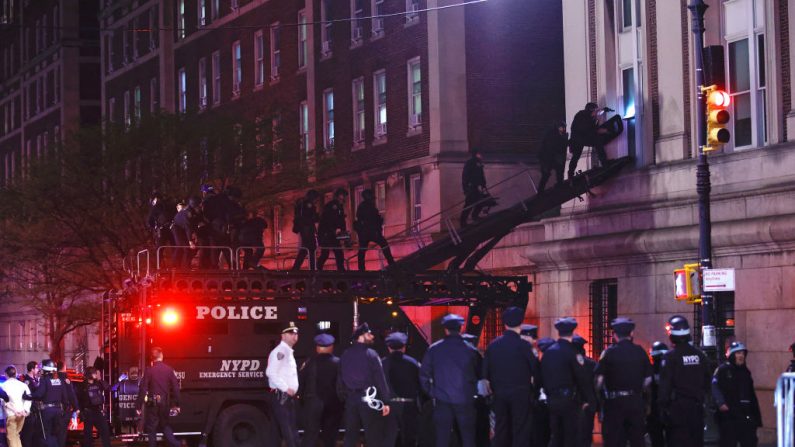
371	401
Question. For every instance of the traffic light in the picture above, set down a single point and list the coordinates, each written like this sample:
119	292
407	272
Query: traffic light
687	284
717	117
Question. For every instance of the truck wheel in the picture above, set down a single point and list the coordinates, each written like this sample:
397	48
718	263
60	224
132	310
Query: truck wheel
241	426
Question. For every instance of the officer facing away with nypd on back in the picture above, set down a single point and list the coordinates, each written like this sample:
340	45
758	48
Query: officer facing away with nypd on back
565	384
322	407
282	373
624	372
158	398
738	413
684	381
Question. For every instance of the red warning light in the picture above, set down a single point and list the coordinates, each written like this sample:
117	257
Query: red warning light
170	317
719	98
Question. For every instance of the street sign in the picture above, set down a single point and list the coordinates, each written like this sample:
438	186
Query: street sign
718	280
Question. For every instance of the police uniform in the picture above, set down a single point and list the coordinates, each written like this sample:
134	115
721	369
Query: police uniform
69	408
322	407
54	397
584	132
363	385
403	377
684	380
542	433
91	397
159	390
250	235
473	182
553	154
624	372
566	385
449	374
369	228
304	225
511	369
587	414
658	433
31	430
126	391
733	386
332	220
282	373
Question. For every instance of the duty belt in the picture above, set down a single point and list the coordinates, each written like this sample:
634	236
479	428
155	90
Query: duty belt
561	392
46	406
619	393
402	399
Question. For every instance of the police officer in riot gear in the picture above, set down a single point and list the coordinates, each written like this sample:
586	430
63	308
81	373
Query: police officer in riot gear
565	385
624	372
159	394
738	413
658	433
552	156
332	227
250	235
369	227
585	131
304	224
684	381
126	391
363	386
317	380
511	369
403	377
588	413
473	182
449	374
160	216
91	396
54	397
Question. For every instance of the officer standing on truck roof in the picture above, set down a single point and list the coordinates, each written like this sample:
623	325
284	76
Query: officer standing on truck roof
321	406
363	385
282	375
159	393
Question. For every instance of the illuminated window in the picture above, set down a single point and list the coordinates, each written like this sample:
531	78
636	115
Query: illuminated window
357	22
415	94
325	29
201	13
181	24
358	111
378	21
328	119
412	16
379	103
259	58
303	116
303	47
183	91
237	68
202	84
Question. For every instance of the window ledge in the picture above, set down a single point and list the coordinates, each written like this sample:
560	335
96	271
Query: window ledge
357	146
412	21
377	141
414	131
274	80
258	87
235	95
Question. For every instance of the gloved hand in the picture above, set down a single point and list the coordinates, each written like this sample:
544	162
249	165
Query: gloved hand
123	377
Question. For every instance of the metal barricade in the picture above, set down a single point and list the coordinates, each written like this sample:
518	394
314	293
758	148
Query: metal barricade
785	409
217	248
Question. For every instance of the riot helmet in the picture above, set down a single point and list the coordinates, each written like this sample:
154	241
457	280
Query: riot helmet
48	366
678	329
658	348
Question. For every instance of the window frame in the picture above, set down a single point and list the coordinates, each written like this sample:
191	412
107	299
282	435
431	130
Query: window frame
380	128
329	132
259	58
377	23
275	51
415	201
414	125
203	87
303	128
216	73
303	40
182	90
359	112
237	68
357	23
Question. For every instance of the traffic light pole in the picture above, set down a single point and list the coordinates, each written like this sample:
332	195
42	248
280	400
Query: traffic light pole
708	332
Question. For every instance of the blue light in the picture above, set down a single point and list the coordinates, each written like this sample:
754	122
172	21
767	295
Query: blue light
630	112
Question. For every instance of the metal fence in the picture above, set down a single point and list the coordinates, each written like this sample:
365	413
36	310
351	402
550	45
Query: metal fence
785	409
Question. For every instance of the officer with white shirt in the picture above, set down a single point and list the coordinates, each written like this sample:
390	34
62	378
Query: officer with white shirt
17	409
282	374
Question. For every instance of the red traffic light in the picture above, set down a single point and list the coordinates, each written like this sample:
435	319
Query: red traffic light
719	98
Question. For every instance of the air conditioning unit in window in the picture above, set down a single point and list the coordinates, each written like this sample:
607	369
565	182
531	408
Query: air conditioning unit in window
357	35
325	48
415	120
380	130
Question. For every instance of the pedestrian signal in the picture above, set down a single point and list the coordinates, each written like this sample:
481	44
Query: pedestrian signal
717	118
687	284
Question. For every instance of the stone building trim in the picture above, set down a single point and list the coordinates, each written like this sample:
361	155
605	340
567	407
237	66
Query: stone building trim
686	90
784	42
651	39
592	49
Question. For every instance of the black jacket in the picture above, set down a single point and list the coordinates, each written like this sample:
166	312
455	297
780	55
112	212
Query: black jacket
553	147
251	230
360	368
510	365
450	370
318	377
625	366
159	380
563	373
331	219
403	375
368	219
583	128
733	386
473	178
684	374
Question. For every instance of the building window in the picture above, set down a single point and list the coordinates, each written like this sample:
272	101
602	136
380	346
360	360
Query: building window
325	29
181	23
276	131
415	93
603	308
216	77
328	119
237	68
152	28
125	46
415	190
215	6
379	103
202	84
378	21
379	188
183	91
111	110
628	93
276	58
134	35
154	90
259	58
201	13
358	111
137	104
303	116
747	86
357	22
127	115
412	16
303	48
626	13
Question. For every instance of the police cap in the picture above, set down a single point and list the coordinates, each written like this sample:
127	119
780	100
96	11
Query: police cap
566	325
622	326
470	338
545	343
290	329
452	321
735	347
578	341
396	340
529	329
324	340
658	348
513	316
363	328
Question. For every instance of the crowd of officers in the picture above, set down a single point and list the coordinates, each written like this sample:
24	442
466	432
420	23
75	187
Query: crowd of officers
204	226
537	392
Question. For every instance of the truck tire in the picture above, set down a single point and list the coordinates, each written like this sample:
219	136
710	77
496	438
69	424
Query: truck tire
241	426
